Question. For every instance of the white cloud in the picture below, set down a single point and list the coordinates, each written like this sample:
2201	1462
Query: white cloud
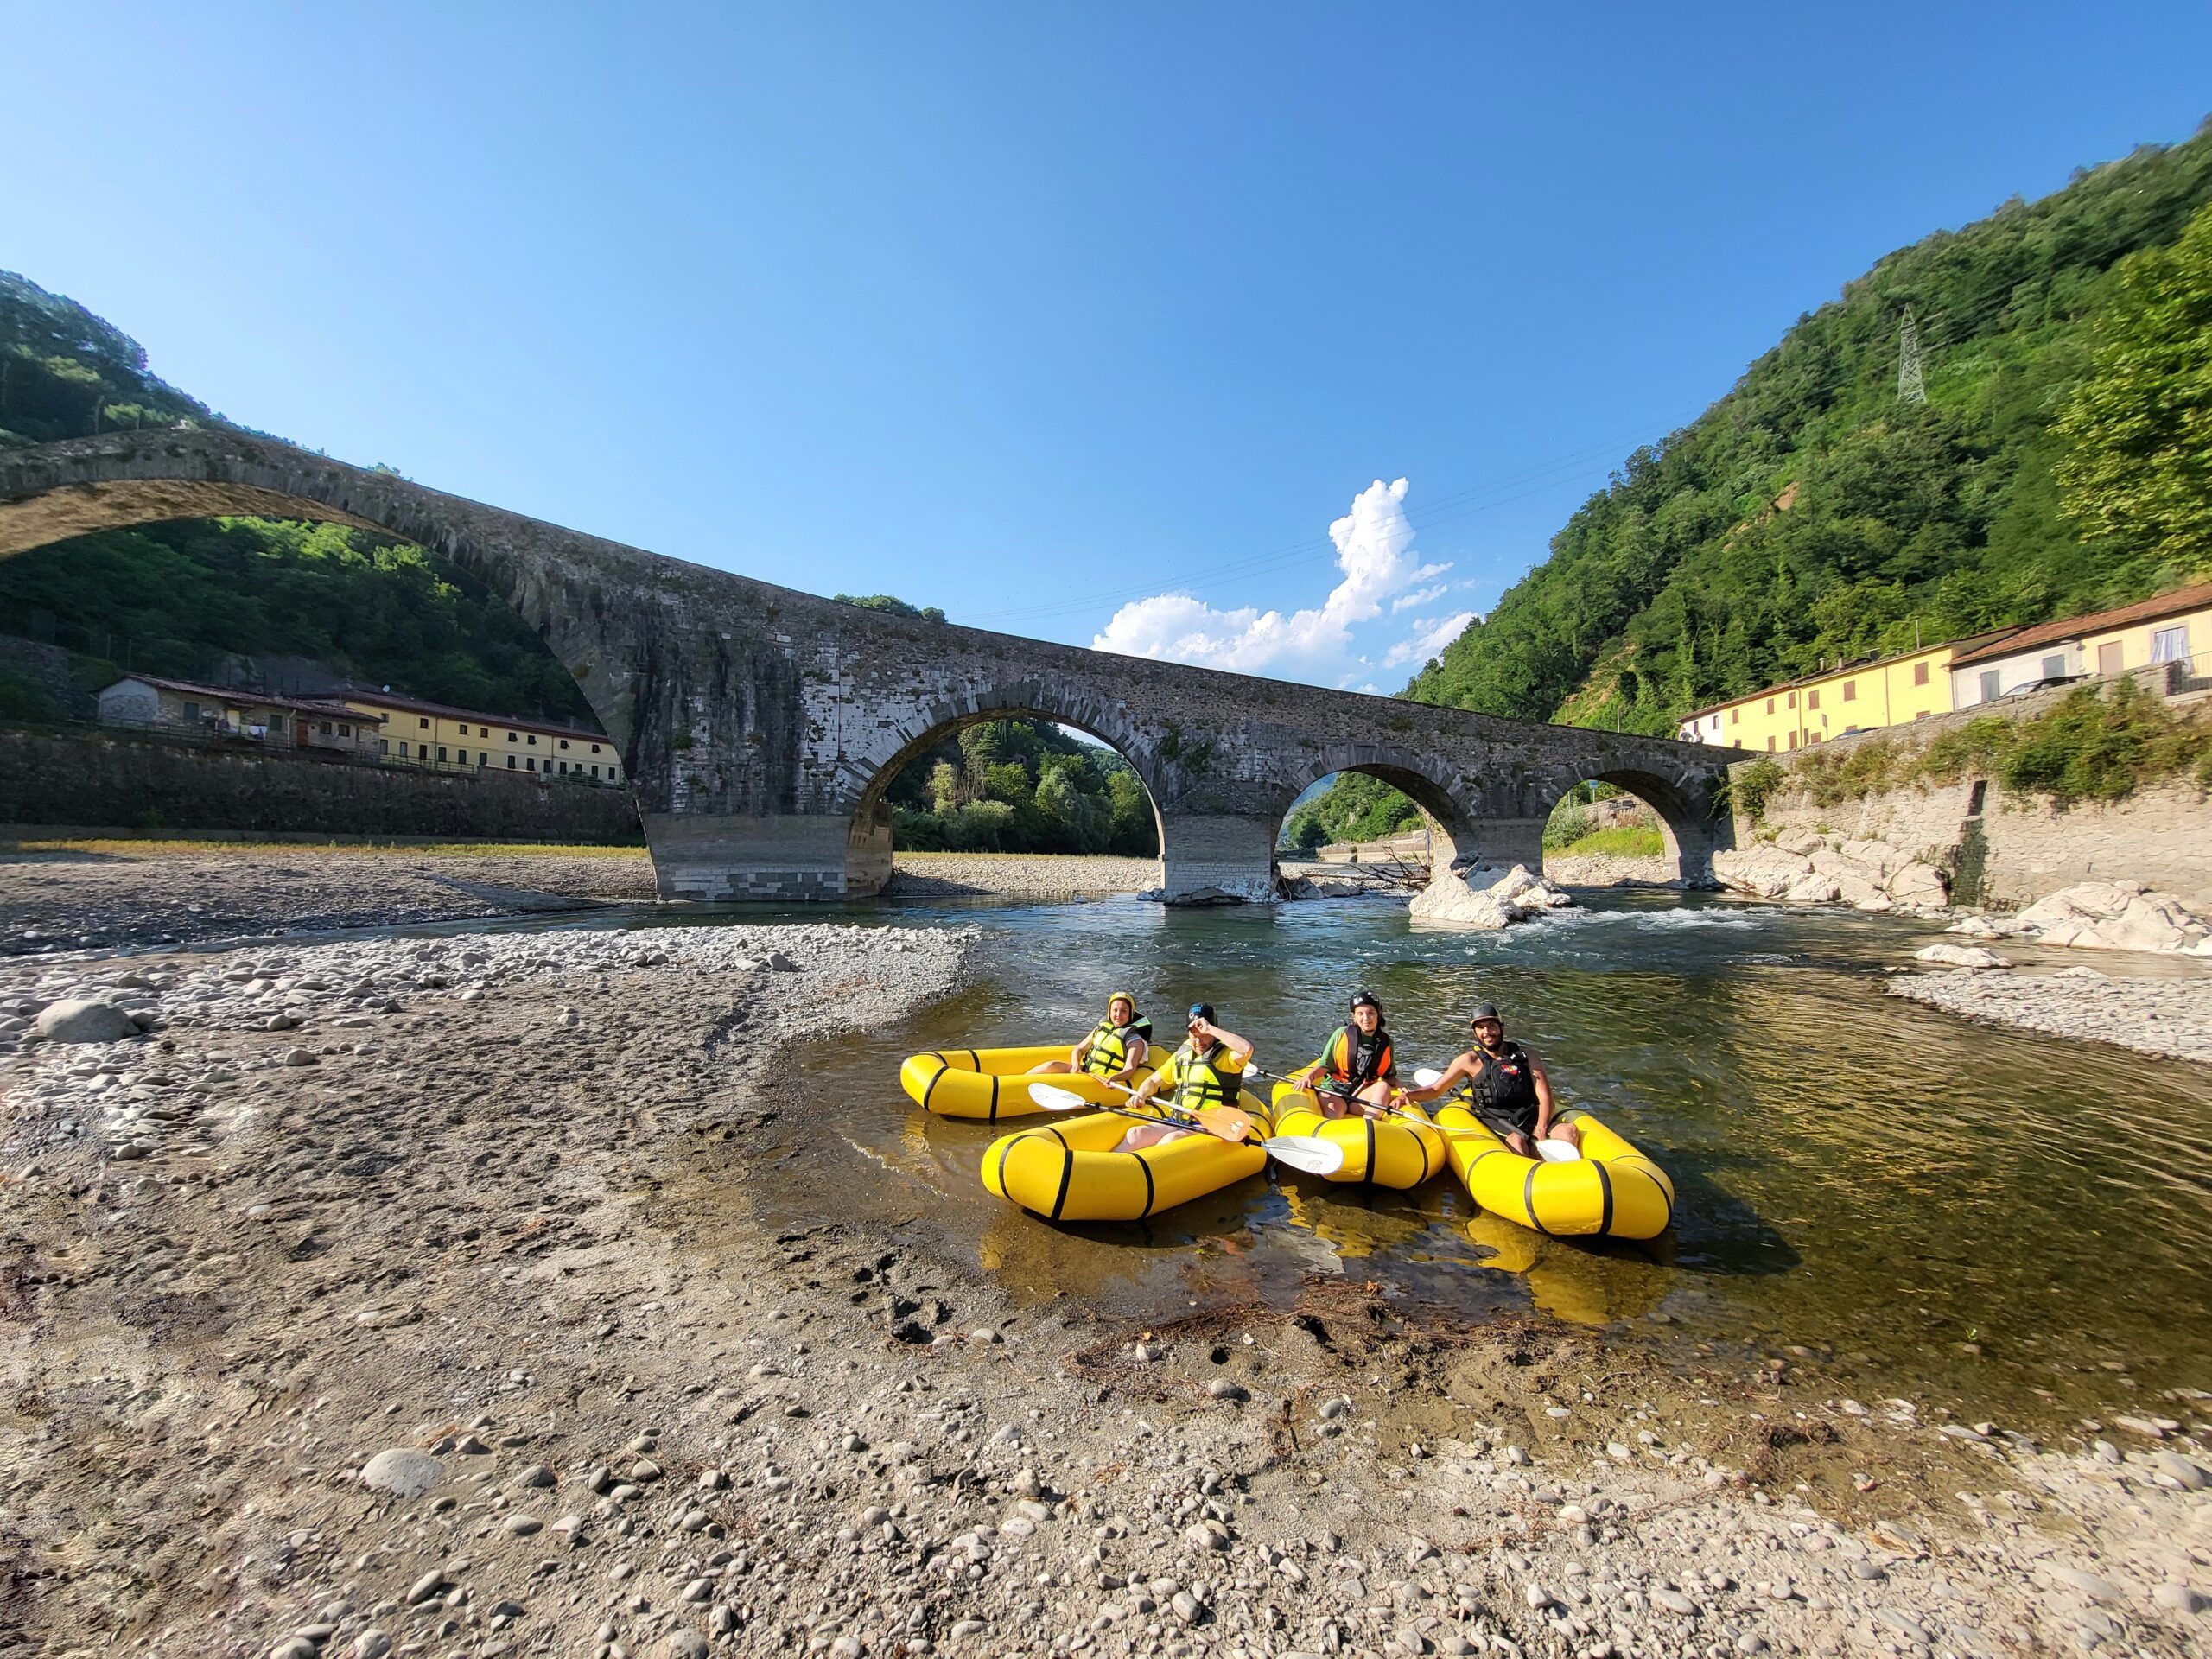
1430	635
1374	543
1421	596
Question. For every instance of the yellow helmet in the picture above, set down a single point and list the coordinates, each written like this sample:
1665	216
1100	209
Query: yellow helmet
1122	996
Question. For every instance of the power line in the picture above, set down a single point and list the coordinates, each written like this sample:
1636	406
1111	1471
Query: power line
1913	387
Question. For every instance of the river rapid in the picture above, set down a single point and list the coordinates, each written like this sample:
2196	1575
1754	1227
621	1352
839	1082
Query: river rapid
1917	1205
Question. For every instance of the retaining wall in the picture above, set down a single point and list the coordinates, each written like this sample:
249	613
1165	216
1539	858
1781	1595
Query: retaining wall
2009	850
60	776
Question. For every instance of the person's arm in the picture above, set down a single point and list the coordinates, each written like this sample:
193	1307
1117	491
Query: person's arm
1152	1085
1543	1097
1444	1085
1133	1057
1239	1049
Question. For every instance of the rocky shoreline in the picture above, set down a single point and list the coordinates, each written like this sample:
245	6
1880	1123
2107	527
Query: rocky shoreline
401	1296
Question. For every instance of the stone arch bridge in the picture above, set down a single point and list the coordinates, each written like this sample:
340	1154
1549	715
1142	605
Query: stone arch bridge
761	726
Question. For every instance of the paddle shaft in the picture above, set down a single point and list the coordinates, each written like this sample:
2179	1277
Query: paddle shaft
1349	1100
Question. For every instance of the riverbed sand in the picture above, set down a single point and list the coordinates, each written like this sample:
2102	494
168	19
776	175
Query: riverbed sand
410	1296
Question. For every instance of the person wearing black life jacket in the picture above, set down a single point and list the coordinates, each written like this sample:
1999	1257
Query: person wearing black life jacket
1356	1070
1203	1072
1117	1046
1504	1085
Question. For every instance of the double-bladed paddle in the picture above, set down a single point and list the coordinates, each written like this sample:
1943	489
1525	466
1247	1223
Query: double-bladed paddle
1309	1152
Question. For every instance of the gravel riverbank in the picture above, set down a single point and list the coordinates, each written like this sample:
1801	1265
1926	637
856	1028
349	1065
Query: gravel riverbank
405	1296
1040	875
119	896
2170	1016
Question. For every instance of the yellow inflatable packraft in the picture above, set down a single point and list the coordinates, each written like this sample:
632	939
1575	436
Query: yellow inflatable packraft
1072	1171
989	1084
1396	1151
1612	1191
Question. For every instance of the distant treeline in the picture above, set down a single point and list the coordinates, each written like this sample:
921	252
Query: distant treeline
1021	786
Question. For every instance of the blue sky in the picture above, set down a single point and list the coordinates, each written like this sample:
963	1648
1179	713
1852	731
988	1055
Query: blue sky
1077	321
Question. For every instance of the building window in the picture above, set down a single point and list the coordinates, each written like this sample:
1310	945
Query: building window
384	746
1735	716
1991	680
2110	657
442	751
1793	740
530	765
595	748
510	737
1769	743
1792	699
402	748
424	724
481	757
1770	705
510	763
461	755
1920	673
2169	645
1851	690
533	737
1813	698
564	742
343	730
595	772
2054	666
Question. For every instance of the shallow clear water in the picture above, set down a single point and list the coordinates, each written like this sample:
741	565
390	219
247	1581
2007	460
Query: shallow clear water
1934	1208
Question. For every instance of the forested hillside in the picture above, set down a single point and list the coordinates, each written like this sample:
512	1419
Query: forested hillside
2062	461
66	373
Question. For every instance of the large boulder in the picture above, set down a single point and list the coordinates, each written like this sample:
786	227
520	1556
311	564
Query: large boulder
1960	955
84	1021
1812	888
1856	883
1916	883
1803	843
1513	897
1764	872
1878	855
2117	916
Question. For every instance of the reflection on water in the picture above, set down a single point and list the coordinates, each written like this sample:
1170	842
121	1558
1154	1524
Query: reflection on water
1939	1206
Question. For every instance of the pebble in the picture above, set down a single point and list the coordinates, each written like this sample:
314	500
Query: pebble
2185	1471
2096	1589
424	1587
1673	1601
1904	1625
402	1470
699	1590
300	1057
85	1022
537	1474
2179	1599
525	1526
1221	1388
371	1645
687	1644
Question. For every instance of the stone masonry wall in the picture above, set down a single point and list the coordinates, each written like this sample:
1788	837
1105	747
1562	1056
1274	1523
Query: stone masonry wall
96	778
2009	850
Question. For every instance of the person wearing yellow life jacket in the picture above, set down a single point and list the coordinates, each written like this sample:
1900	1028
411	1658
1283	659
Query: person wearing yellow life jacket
1117	1046
1356	1070
1504	1085
1203	1072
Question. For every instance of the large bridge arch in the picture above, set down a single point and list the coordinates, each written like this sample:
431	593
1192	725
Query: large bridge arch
752	718
872	771
1417	777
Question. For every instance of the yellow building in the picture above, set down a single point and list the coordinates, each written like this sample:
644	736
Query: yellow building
442	738
1852	698
2174	627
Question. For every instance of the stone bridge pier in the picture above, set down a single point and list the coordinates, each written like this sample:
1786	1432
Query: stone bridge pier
761	727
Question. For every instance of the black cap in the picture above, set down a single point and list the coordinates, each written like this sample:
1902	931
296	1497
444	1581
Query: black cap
1202	1011
1366	999
1484	1011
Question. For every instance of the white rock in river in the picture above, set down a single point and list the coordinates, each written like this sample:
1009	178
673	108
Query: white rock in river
1764	872
1960	955
1452	897
2117	916
79	1021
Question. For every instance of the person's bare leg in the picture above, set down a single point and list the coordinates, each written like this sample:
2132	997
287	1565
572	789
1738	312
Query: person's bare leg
1057	1065
1377	1096
1567	1135
1150	1135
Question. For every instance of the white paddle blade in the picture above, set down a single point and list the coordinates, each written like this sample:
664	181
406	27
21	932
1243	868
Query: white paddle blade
1557	1152
1427	1078
1053	1098
1308	1152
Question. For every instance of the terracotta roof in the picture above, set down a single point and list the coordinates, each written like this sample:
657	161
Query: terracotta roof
231	694
418	706
2197	597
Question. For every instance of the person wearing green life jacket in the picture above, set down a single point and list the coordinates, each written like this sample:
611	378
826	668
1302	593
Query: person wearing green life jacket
1356	1071
1116	1048
1202	1072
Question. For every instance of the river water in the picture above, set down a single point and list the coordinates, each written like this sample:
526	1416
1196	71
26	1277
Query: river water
1933	1209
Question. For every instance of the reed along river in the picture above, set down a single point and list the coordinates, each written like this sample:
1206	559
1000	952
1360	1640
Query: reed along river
1933	1208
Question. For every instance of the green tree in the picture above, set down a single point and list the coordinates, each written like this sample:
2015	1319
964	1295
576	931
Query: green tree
2138	480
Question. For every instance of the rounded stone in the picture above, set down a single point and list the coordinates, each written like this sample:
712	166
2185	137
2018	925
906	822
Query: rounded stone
403	1471
85	1022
